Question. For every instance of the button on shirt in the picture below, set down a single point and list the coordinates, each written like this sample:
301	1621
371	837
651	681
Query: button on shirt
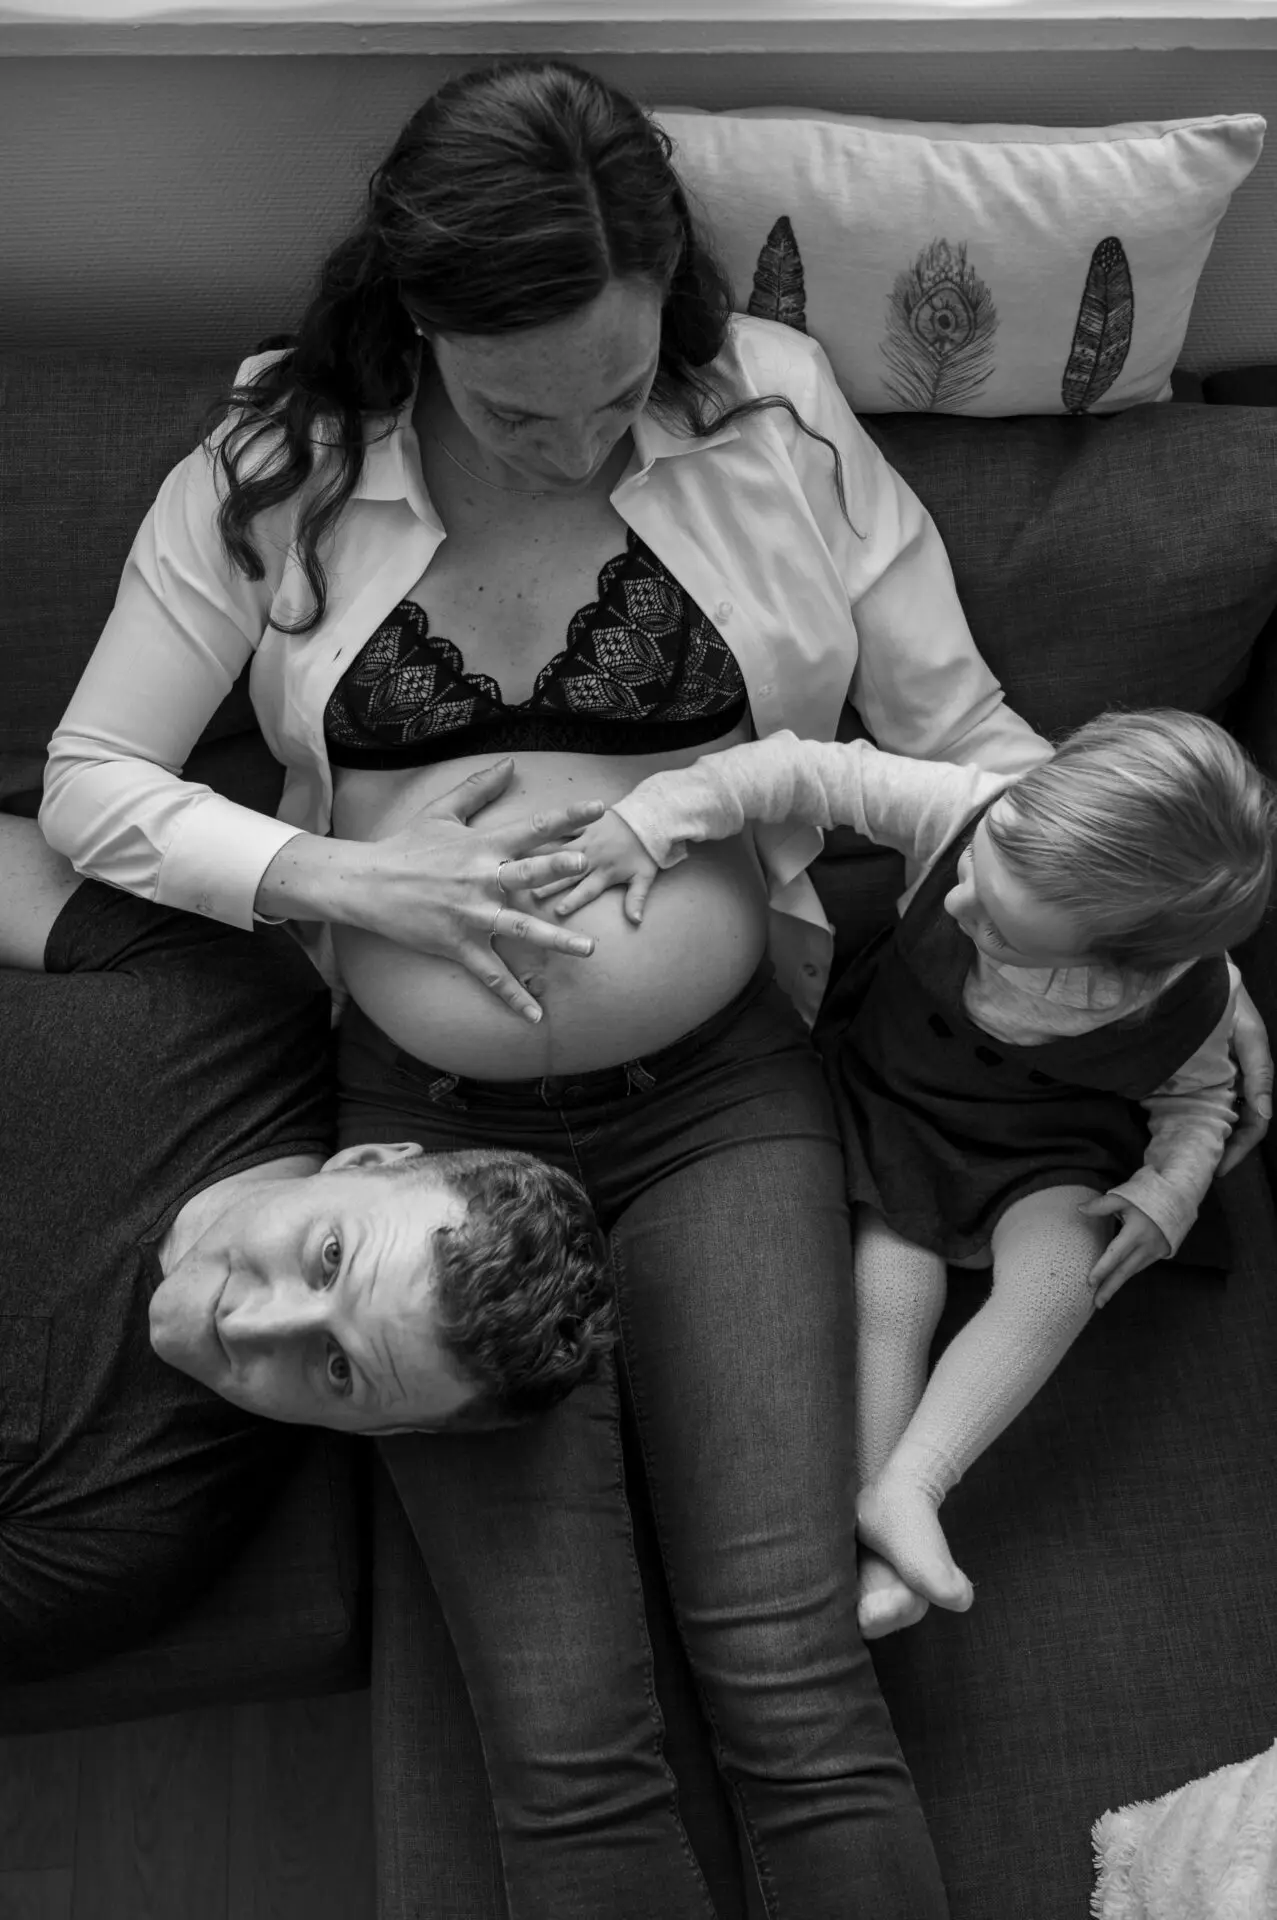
820	607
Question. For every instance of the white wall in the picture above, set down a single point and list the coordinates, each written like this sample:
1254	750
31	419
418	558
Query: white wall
188	199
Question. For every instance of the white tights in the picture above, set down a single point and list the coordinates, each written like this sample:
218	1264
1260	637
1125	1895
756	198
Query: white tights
917	1437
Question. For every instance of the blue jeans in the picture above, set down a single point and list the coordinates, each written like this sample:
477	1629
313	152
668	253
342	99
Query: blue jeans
715	1168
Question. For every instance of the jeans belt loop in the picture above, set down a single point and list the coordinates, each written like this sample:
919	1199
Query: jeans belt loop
637	1077
440	1090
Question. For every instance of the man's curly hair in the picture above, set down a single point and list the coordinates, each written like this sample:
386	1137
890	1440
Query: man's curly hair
523	1304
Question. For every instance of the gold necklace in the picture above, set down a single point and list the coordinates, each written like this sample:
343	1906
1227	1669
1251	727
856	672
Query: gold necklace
529	493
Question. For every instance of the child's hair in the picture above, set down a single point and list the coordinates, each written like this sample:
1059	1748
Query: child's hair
1155	828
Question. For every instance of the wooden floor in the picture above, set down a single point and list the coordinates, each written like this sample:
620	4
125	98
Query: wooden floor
229	1813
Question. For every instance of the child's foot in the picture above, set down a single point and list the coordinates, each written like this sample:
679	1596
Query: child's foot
886	1603
898	1519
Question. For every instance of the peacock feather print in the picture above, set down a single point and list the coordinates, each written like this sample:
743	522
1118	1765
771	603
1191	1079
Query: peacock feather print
1102	336
940	326
780	292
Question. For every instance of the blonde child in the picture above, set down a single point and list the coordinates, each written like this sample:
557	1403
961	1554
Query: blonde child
1052	1008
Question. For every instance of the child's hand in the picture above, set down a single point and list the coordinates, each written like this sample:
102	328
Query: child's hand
615	857
1136	1245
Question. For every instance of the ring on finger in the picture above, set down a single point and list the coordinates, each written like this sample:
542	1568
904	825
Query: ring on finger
496	921
500	883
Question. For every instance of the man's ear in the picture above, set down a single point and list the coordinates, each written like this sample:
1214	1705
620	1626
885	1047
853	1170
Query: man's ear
376	1153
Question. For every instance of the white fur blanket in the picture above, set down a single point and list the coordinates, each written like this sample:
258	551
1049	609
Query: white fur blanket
1207	1851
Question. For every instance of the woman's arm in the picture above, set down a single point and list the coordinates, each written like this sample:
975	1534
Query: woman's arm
919	682
439	885
1190	1117
1249	1042
184	625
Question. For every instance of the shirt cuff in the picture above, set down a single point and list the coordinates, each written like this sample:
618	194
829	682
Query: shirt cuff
643	818
215	861
1167	1205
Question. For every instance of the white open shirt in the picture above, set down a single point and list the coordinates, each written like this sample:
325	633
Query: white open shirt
815	611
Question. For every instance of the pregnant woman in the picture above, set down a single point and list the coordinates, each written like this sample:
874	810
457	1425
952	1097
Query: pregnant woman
522	487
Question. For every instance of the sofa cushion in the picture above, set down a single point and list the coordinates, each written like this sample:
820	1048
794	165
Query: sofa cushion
1129	559
287	1618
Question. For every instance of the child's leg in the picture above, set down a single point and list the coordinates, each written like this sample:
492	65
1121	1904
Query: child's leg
900	1291
1043	1251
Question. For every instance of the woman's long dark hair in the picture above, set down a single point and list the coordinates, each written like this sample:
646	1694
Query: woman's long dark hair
511	199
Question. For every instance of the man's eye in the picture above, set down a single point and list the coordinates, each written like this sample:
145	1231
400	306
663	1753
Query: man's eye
504	420
337	1371
330	1256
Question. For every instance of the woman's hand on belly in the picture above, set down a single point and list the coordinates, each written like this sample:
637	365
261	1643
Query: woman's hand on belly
444	893
704	931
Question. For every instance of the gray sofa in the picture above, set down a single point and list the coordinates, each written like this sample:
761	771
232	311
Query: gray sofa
1122	1535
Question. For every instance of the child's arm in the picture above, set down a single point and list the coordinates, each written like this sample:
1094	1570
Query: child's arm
823	783
913	805
1190	1117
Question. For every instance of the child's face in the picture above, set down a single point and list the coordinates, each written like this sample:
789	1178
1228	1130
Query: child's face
1001	917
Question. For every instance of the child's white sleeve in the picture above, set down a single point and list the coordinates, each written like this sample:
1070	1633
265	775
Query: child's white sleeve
912	805
1190	1117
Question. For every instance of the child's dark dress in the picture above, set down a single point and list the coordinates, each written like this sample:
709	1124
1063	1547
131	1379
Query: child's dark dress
946	1126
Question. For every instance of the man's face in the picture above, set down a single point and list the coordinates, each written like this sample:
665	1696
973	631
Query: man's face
311	1300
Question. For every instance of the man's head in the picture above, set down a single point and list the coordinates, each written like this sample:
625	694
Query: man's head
391	1290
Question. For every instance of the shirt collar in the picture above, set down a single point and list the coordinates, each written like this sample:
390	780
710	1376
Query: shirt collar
654	441
387	473
385	469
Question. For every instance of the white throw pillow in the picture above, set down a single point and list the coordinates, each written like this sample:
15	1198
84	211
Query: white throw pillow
969	269
1207	1851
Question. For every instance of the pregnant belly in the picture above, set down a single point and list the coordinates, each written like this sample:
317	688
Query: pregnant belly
704	931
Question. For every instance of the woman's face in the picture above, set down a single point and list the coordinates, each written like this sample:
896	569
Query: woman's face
548	404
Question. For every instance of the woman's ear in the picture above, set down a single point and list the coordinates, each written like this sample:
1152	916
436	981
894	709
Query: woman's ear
376	1153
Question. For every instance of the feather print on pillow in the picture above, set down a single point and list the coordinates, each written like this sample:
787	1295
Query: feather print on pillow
1102	337
940	326
780	292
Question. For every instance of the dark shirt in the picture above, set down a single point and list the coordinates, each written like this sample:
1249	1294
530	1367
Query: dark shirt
157	1054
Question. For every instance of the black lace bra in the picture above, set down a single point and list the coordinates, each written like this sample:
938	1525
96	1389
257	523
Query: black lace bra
643	671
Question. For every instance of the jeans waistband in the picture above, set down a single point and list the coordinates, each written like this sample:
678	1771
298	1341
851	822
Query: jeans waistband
639	1075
